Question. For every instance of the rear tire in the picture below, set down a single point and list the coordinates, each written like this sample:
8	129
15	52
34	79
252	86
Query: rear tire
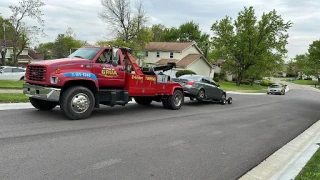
176	100
77	102
42	104
201	95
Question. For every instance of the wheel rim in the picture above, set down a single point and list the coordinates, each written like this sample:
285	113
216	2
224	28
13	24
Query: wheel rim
80	103
201	94
177	99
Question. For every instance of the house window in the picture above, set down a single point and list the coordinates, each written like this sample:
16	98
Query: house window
158	54
147	53
171	54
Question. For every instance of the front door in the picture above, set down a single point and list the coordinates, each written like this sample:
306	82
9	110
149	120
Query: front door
108	75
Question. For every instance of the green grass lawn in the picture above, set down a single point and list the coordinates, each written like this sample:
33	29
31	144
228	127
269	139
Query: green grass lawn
231	86
8	84
303	82
312	168
13	98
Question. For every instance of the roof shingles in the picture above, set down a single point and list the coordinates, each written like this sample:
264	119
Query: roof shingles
168	46
186	61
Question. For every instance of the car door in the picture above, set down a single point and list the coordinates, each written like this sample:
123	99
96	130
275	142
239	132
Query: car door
207	87
6	73
216	91
17	73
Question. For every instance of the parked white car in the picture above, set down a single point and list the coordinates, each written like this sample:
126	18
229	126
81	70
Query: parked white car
12	73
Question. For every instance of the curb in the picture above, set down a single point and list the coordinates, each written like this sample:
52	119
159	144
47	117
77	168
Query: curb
13	106
288	161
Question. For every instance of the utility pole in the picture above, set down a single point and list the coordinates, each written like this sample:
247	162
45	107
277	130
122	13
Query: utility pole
4	46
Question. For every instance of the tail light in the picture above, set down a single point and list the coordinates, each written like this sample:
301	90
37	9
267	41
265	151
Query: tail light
191	83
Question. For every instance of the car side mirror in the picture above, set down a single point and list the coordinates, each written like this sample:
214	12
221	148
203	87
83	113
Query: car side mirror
218	85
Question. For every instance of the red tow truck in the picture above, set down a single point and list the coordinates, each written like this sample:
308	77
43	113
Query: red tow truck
92	76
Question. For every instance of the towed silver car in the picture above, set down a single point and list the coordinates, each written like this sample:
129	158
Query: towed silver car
277	89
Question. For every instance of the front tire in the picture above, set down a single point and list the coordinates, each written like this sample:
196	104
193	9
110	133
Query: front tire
77	102
223	99
42	104
176	100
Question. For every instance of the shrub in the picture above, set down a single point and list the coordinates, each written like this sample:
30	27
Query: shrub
245	81
265	82
308	78
216	79
183	72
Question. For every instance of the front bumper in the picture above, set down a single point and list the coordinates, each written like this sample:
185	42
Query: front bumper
40	92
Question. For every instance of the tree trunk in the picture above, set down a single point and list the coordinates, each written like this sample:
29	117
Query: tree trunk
239	79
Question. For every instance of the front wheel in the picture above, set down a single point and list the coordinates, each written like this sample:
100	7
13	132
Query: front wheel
77	102
175	101
42	105
223	99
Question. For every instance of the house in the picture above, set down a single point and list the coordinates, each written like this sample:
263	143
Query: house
27	55
186	55
217	69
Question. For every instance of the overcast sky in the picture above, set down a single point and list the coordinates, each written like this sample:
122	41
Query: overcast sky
81	15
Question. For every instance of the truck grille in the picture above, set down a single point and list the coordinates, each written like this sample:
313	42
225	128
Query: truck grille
36	73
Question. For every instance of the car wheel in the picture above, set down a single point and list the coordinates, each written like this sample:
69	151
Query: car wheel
229	100
223	99
201	95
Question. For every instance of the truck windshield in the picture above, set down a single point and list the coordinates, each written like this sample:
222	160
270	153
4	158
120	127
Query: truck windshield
85	53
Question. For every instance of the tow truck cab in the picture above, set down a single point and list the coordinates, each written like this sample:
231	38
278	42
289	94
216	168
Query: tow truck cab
97	75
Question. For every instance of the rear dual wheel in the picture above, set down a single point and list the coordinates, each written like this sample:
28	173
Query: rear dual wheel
174	101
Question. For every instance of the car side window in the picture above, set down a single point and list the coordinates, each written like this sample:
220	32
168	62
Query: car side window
205	80
17	70
7	70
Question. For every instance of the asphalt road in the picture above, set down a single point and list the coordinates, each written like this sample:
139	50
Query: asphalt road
200	141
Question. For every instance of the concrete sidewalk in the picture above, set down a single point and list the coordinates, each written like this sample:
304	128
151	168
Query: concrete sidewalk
4	91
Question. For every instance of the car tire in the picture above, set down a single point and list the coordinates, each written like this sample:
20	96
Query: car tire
230	100
176	100
42	104
223	99
201	95
73	98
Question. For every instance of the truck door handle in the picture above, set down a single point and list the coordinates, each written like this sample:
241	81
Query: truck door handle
121	69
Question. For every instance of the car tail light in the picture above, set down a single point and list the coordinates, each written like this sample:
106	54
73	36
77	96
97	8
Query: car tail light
190	83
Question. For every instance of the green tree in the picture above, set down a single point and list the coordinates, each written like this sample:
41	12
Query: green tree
24	34
65	43
190	31
46	49
247	41
313	59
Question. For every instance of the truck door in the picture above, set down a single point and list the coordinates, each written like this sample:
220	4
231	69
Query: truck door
107	74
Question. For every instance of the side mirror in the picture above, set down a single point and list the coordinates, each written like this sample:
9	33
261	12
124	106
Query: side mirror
218	85
115	63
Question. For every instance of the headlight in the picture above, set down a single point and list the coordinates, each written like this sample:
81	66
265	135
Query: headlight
54	79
